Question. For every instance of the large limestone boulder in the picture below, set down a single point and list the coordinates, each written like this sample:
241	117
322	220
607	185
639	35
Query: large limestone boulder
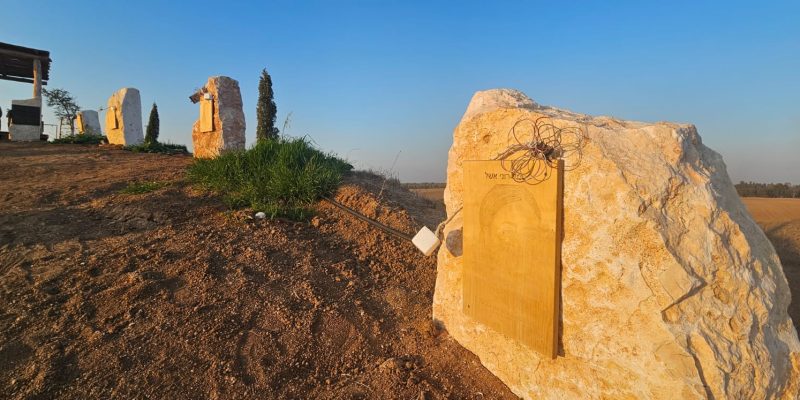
221	126
124	118
669	289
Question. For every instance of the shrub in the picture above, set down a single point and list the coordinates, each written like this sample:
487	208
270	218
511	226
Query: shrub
156	147
754	189
81	139
281	177
425	185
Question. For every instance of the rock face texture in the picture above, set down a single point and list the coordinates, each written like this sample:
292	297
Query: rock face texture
221	125
124	118
669	289
88	123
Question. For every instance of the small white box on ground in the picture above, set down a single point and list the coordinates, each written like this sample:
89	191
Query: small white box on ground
426	241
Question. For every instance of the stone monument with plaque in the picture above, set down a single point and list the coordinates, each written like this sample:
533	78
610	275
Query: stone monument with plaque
26	120
124	118
221	125
635	274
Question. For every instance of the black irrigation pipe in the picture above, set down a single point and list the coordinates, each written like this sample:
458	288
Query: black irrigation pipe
372	222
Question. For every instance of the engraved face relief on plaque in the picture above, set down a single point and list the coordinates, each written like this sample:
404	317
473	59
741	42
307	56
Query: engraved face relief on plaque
512	254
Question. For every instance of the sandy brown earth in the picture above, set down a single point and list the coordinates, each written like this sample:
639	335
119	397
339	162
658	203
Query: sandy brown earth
779	218
169	295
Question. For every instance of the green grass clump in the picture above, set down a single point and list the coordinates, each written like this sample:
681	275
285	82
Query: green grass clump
281	177
156	147
143	187
80	139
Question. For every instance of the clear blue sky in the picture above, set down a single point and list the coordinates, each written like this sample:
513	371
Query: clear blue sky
369	79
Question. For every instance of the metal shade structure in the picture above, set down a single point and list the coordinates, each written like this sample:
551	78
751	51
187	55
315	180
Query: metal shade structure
17	63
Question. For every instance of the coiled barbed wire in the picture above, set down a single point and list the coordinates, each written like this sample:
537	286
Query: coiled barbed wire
531	160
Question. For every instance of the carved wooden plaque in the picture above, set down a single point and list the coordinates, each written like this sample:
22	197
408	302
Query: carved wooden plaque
206	115
512	254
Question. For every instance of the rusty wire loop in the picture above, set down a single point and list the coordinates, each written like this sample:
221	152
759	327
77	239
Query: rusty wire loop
538	145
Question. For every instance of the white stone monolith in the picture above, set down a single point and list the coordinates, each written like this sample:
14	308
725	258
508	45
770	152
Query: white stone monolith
88	122
124	118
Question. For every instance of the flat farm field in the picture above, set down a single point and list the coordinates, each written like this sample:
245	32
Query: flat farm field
780	220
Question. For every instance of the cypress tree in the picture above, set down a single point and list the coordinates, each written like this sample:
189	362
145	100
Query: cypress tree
151	136
266	110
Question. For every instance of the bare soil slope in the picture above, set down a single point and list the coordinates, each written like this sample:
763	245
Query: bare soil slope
169	295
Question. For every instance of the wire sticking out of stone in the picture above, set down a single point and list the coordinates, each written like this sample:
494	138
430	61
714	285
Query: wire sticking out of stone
531	160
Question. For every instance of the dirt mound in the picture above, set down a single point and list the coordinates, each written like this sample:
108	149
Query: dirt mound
170	295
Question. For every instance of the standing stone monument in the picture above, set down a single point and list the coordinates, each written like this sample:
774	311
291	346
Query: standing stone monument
124	118
26	120
668	288
88	122
221	125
